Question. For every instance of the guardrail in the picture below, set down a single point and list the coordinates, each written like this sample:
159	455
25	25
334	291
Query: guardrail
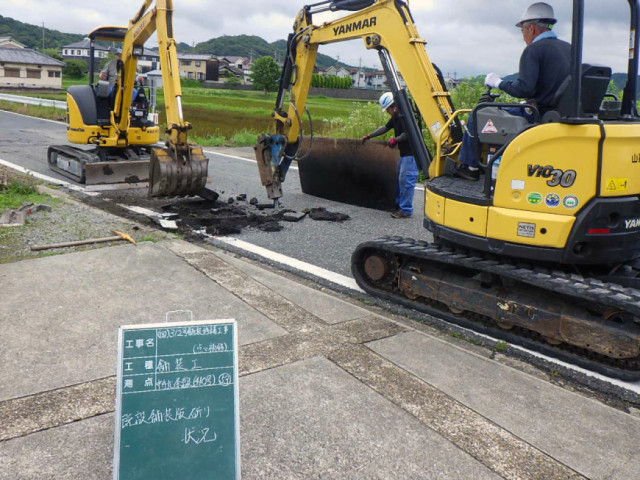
44	102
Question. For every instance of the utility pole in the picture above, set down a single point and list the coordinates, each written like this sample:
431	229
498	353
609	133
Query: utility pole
42	35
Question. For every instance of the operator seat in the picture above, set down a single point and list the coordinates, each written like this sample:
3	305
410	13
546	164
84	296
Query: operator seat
595	81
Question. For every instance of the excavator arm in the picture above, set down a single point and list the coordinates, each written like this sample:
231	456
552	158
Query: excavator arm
383	25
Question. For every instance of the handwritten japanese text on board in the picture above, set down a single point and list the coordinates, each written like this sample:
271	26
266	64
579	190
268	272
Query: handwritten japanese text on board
177	402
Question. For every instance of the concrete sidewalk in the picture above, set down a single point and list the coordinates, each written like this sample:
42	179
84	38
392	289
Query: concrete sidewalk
328	389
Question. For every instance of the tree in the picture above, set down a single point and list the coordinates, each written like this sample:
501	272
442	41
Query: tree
52	52
74	68
265	74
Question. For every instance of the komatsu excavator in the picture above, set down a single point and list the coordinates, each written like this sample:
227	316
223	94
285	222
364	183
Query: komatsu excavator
544	252
123	137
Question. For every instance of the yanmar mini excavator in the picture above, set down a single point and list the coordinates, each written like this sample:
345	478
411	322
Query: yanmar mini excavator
544	252
123	137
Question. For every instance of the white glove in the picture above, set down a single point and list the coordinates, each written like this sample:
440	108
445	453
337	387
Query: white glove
492	80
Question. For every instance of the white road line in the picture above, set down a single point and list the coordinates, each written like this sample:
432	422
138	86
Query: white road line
212	152
292	262
46	178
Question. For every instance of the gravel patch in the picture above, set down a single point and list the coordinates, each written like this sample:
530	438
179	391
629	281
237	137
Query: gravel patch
68	221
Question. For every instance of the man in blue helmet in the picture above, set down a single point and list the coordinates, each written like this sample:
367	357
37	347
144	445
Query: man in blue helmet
544	65
407	168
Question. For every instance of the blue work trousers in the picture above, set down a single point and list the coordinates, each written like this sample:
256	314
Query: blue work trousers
407	177
470	151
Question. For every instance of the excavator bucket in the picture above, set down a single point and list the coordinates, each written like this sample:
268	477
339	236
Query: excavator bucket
347	171
177	177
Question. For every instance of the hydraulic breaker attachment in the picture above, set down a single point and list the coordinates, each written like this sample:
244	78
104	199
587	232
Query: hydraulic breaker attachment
173	174
267	150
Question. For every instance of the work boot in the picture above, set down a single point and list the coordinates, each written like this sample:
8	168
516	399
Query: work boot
468	173
400	214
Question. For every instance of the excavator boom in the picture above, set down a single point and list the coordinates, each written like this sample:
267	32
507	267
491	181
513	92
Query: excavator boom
387	27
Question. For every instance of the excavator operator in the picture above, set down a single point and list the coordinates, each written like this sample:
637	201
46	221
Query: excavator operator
407	169
544	65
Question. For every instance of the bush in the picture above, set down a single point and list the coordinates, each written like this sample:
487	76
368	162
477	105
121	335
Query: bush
233	81
74	68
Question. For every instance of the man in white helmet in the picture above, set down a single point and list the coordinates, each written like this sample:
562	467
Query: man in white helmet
407	168
544	65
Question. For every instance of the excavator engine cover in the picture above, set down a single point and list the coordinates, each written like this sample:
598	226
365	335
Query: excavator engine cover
347	171
177	177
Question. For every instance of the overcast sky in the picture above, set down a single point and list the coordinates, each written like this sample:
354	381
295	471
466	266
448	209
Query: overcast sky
465	37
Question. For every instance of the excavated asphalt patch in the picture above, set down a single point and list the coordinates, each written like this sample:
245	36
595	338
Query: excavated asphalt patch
194	215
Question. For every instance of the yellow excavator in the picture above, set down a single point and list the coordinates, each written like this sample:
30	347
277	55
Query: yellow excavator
117	124
543	252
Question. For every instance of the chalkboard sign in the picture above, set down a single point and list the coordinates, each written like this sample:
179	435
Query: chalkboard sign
177	402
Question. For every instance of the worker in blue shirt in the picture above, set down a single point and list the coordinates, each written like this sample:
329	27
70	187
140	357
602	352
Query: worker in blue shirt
544	65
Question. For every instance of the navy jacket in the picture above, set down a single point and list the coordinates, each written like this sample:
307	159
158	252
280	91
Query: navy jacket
543	67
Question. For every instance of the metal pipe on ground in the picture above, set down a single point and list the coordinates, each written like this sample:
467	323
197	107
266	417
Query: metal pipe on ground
347	171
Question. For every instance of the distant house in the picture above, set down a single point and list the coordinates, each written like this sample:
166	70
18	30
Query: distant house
343	72
451	83
239	63
10	42
81	51
148	61
358	77
330	71
229	70
198	66
376	80
26	68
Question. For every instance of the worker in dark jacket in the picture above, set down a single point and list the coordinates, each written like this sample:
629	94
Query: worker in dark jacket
407	168
544	65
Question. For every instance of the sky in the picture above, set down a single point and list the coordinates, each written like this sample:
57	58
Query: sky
464	37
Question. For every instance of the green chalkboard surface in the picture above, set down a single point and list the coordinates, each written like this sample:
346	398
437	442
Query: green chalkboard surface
177	402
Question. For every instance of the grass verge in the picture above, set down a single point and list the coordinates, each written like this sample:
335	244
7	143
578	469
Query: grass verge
49	113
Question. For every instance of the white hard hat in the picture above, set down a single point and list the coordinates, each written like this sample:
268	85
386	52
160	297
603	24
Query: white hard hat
539	13
386	100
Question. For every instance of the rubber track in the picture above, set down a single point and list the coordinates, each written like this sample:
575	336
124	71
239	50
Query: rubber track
573	286
81	155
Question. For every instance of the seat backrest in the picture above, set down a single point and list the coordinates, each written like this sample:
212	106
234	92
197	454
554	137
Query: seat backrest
595	81
85	99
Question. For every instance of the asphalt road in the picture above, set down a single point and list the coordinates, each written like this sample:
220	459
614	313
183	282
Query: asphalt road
24	142
328	245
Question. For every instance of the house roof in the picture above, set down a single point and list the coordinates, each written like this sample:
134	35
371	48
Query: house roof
12	41
234	70
194	56
234	59
86	43
26	55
